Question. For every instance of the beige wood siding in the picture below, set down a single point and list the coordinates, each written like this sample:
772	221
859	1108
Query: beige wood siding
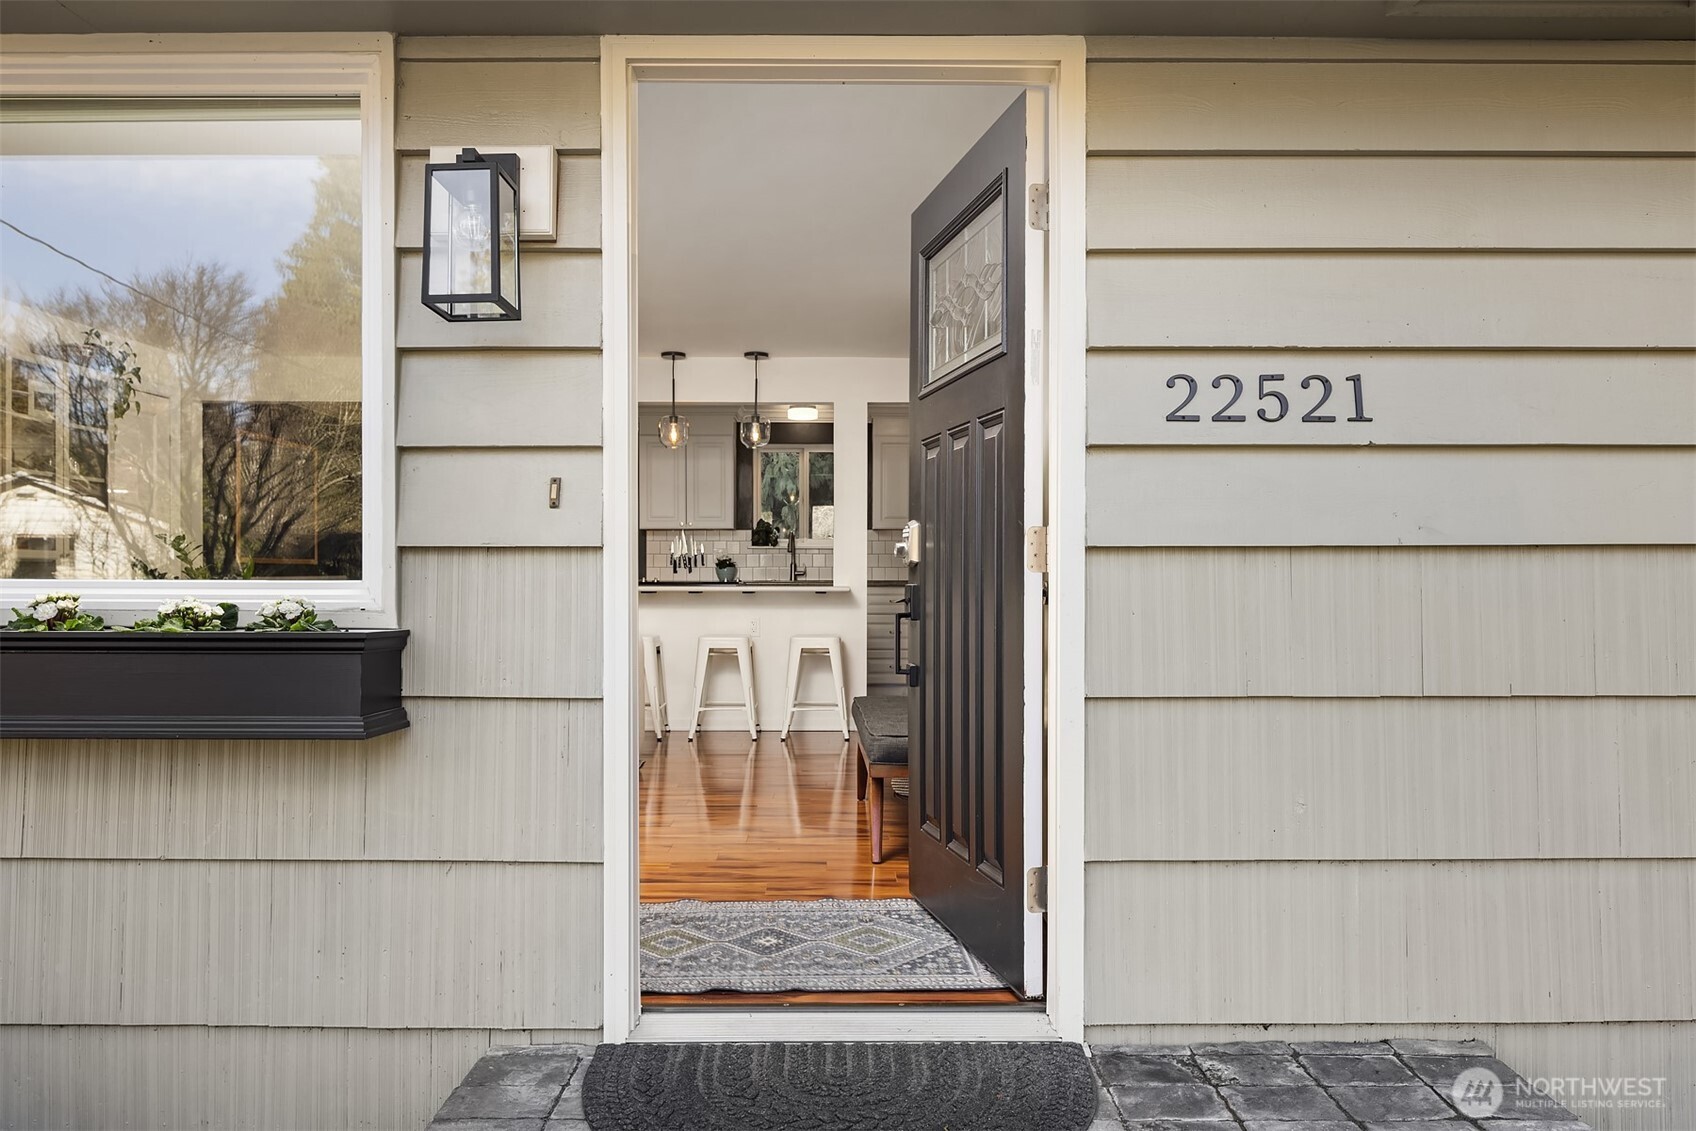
1484	621
1391	725
484	399
237	1079
305	934
1416	398
1392	202
500	497
1320	941
1390	107
1407	299
1425	496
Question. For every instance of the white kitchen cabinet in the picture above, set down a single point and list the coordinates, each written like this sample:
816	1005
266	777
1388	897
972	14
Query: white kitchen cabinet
710	480
659	484
694	486
889	459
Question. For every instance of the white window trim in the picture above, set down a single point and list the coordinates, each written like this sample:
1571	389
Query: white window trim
218	65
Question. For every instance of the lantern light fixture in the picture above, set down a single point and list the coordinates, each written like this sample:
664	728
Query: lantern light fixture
471	238
674	430
755	430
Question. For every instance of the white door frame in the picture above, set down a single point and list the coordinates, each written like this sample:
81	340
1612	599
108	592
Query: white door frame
1055	63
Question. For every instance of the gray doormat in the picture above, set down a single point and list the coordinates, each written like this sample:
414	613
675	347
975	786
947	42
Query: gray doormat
690	947
904	1086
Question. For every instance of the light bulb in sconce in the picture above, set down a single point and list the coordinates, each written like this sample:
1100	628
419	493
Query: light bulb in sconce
803	412
470	226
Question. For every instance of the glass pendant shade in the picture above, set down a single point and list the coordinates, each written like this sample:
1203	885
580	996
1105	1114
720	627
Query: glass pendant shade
755	430
471	238
674	430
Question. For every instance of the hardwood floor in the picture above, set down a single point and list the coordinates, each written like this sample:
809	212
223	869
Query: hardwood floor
727	818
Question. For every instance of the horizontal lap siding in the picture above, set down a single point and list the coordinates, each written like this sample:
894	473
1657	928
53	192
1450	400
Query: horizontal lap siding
1411	202
471	780
1352	942
1415	398
1484	621
1390	107
1391	724
1391	778
302	943
335	931
1405	299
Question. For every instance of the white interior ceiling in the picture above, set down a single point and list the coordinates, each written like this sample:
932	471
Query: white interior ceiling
778	217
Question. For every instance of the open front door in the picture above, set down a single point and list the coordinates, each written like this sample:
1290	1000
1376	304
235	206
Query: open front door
970	836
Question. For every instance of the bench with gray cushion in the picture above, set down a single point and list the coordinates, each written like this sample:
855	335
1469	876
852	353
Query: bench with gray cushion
880	742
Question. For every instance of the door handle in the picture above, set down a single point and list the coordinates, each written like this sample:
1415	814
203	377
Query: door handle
911	612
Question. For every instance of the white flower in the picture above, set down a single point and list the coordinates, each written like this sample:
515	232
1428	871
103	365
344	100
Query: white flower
290	608
268	609
47	610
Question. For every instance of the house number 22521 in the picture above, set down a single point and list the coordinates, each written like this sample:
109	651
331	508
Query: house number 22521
1274	401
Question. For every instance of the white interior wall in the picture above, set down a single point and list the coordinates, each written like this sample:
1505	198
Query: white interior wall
849	384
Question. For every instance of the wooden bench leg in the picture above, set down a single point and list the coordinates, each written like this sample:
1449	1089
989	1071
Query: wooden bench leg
877	820
860	775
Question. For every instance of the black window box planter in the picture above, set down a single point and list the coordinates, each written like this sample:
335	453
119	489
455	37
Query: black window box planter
201	684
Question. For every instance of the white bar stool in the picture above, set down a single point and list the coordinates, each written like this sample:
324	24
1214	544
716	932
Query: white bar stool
725	646
801	647
655	709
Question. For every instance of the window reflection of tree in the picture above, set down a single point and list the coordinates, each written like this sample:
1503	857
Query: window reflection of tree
221	360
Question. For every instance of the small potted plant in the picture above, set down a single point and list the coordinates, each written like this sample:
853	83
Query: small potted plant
55	612
726	566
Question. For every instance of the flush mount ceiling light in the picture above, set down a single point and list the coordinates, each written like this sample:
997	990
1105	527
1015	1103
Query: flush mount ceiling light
803	412
674	430
755	430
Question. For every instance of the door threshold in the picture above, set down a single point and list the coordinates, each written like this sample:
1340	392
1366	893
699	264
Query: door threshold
789	1023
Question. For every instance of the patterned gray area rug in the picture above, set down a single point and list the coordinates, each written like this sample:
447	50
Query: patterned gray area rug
915	1086
691	947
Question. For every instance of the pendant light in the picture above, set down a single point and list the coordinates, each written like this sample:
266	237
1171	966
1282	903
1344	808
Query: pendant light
674	430
755	432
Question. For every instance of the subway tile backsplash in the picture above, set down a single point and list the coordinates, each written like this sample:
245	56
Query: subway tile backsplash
753	564
881	562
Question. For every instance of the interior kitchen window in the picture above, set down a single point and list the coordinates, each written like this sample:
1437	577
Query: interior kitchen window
181	338
797	489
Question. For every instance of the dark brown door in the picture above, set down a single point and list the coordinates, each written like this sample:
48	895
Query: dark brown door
967	405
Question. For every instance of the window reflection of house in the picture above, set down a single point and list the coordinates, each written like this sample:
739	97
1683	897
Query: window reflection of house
47	530
67	458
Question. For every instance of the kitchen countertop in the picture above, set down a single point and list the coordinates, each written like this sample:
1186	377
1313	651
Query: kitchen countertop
749	588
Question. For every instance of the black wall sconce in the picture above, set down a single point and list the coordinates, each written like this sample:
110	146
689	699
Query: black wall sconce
471	238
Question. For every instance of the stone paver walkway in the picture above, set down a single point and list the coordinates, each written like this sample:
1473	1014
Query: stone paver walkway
1401	1085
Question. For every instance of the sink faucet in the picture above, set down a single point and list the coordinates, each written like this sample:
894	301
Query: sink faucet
796	573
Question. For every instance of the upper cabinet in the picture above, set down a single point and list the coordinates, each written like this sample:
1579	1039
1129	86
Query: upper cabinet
694	486
711	458
889	466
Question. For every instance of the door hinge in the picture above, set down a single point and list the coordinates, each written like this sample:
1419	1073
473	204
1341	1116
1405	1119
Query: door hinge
1036	549
1036	890
1039	207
